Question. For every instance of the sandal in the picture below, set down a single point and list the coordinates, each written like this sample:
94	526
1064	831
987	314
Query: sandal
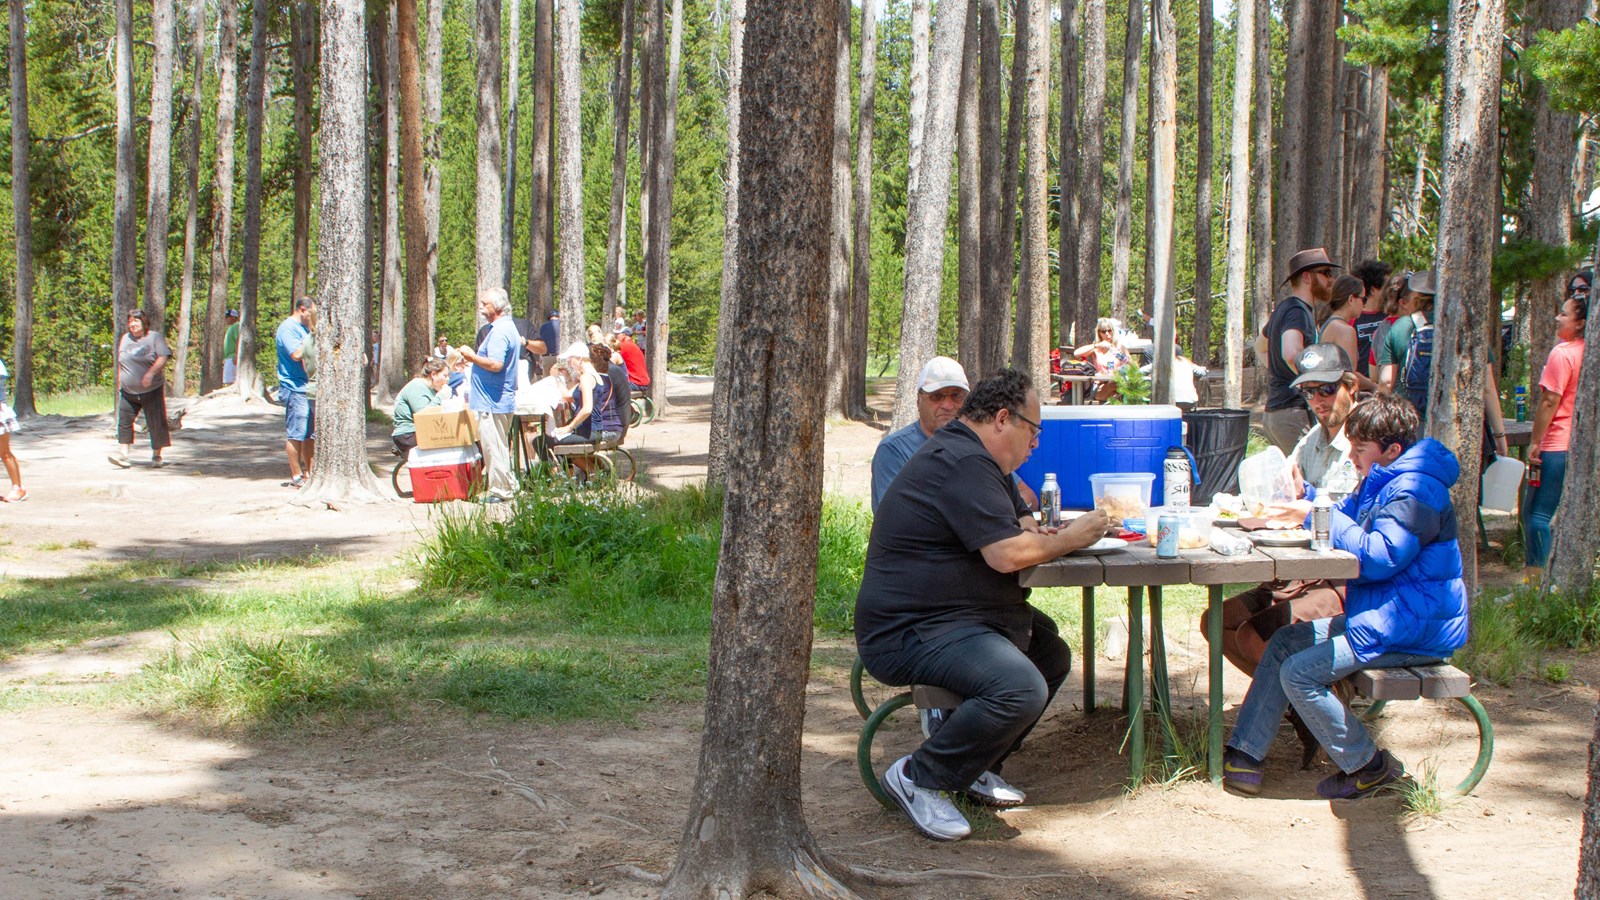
17	495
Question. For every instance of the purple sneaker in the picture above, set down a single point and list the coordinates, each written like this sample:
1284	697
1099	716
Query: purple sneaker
1240	773
1381	772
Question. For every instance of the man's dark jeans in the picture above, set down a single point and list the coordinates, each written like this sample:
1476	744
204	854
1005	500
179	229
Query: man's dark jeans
1007	691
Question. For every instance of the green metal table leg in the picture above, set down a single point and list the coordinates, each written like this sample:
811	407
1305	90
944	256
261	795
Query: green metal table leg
856	696
1087	663
1160	694
1214	715
864	745
1485	745
1135	682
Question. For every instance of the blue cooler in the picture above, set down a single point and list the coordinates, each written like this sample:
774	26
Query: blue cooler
1078	441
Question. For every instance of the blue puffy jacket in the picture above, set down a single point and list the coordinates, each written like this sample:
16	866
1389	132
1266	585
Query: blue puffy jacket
1409	597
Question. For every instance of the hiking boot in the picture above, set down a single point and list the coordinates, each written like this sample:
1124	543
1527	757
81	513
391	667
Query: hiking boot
1241	773
1381	772
930	811
992	790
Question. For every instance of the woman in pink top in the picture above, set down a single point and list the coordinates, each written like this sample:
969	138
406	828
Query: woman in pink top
1552	421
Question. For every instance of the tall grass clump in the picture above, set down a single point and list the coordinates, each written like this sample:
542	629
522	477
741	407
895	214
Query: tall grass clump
1498	649
1556	619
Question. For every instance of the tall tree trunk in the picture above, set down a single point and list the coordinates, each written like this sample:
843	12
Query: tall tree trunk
1122	238
1367	209
1031	353
969	211
255	110
1201	351
917	123
1589	844
1238	206
541	221
191	187
125	229
861	278
1549	218
663	166
1261	180
927	205
488	235
1573	552
21	215
508	225
342	472
1091	182
1010	177
622	106
1070	168
414	345
570	143
158	163
652	94
1308	135
994	206
836	402
303	49
432	135
1163	190
393	361
746	832
1468	233
222	192
728	316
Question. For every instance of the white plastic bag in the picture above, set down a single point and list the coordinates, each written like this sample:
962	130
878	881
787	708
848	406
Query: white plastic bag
1265	479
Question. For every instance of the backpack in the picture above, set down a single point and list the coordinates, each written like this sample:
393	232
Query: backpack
1419	366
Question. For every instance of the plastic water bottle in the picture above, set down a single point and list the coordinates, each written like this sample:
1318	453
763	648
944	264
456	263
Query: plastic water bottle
1322	522
1050	501
1177	478
1522	403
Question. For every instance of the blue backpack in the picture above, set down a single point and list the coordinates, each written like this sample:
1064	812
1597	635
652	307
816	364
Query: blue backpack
1419	366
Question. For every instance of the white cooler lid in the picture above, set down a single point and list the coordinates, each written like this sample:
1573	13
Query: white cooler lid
443	456
1070	412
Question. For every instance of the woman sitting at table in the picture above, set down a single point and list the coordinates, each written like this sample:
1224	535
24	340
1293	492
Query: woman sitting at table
1107	355
596	419
420	393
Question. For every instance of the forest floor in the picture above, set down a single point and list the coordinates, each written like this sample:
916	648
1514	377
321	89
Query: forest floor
99	800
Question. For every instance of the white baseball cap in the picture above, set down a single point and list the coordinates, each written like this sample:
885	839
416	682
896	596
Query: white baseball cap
942	372
576	350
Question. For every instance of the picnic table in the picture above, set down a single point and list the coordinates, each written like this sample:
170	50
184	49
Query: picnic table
1518	436
1076	384
1139	569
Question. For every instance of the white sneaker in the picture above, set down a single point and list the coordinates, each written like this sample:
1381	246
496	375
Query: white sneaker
930	811
991	790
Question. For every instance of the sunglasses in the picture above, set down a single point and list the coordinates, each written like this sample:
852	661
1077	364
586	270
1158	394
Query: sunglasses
1323	390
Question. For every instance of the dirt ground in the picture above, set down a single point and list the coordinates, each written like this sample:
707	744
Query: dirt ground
445	804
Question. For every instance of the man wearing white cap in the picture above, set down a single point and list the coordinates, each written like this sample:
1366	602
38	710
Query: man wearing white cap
940	392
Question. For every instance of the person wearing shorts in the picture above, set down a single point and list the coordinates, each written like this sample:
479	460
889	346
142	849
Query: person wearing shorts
300	439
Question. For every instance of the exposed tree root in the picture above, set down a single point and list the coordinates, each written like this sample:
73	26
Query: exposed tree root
911	879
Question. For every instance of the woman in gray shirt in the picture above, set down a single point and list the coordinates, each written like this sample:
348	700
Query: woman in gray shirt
142	354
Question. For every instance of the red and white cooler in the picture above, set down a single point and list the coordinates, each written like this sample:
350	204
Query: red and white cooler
448	473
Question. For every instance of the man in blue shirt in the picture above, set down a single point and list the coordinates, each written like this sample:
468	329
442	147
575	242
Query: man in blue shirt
294	340
493	395
941	390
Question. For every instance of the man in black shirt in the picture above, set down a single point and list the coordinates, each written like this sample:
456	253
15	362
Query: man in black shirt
940	603
1291	329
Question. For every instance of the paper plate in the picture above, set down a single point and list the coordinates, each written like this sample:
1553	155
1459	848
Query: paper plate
1104	545
1280	539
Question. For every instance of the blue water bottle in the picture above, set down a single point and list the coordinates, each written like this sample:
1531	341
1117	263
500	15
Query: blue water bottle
1522	403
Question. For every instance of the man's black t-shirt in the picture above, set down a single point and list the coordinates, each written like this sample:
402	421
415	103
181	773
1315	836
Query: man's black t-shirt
1366	326
1292	314
925	572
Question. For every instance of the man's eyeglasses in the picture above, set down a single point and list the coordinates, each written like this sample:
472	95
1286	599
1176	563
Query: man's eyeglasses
1029	422
1324	390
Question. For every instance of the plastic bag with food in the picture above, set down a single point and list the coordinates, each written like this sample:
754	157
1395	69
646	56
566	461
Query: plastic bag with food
1264	480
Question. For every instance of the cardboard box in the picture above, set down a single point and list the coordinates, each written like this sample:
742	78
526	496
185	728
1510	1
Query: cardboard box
437	429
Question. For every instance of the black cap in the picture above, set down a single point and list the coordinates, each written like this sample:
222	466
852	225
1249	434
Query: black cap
1322	364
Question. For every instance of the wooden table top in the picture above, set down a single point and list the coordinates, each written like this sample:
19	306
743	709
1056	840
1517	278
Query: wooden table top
1139	566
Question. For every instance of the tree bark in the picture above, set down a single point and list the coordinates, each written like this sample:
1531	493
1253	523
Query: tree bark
125	228
1308	134
1201	351
191	175
927	205
1367	211
570	144
745	832
432	129
303	23
1238	206
722	387
1091	181
508	225
1070	165
836	402
917	123
158	163
393	361
1031	353
1589	845
1549	216
342	472
248	380
1010	176
541	218
969	212
994	206
21	215
1468	233
1573	551
1122	239
222	192
861	278
663	166
488	235
622	107
414	345
1261	215
1163	190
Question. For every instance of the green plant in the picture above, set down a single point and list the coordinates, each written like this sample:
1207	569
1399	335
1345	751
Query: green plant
1498	648
1132	386
1557	620
1419	794
1557	673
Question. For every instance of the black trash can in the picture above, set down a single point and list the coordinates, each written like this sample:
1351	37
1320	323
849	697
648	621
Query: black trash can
1218	439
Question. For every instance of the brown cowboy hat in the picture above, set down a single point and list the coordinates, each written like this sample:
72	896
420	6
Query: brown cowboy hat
1309	259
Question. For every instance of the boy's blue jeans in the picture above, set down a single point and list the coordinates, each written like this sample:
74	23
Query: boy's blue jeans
1301	661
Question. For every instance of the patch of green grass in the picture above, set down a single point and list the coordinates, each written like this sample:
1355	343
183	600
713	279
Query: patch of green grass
1498	649
90	401
1256	443
1557	673
82	544
1557	620
1420	796
377	416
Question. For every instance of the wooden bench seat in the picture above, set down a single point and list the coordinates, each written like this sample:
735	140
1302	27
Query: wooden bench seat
1438	681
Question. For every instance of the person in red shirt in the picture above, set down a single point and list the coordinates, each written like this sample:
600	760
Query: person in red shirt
1552	422
632	360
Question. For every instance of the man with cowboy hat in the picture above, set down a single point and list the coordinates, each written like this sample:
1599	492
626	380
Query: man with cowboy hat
1291	329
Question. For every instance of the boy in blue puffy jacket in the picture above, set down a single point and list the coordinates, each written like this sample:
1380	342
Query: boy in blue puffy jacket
1408	606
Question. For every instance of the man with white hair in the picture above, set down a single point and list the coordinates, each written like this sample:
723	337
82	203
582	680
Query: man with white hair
493	395
941	389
